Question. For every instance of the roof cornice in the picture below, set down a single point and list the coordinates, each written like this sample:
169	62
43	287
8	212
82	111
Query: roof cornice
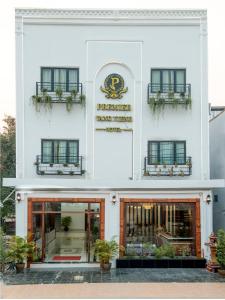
111	13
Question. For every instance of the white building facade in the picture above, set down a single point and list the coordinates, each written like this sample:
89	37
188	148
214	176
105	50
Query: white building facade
112	131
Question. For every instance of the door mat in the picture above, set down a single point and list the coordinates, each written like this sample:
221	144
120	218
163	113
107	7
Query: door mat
63	257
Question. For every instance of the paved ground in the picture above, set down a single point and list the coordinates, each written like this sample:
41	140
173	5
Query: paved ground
94	275
115	290
119	283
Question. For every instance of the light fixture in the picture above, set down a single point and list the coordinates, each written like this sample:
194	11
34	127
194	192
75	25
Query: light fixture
18	197
114	199
208	199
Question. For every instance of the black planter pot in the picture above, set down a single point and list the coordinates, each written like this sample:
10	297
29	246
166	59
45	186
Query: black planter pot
66	228
105	267
20	267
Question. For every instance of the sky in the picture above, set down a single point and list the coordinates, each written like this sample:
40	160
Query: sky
216	39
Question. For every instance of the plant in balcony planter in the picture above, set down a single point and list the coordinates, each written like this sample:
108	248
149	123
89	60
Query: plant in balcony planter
66	222
181	173
42	172
59	172
19	250
146	173
71	173
51	165
82	98
220	251
106	250
76	165
69	103
188	102
65	165
37	100
59	93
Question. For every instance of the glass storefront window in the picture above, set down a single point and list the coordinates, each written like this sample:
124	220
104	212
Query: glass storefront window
159	224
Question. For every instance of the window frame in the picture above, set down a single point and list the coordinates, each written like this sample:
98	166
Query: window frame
67	161
175	78
67	77
174	151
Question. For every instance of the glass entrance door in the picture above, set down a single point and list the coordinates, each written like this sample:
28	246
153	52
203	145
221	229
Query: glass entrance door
66	231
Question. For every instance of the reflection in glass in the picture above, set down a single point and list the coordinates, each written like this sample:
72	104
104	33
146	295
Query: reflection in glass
159	224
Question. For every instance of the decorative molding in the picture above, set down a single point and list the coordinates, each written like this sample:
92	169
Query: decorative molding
110	14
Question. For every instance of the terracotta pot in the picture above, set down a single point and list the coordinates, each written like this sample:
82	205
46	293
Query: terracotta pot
221	272
20	267
105	266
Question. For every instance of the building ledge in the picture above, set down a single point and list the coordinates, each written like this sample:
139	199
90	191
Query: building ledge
91	185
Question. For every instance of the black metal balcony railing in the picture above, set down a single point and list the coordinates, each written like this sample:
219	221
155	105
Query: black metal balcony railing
59	165
59	92
167	166
160	94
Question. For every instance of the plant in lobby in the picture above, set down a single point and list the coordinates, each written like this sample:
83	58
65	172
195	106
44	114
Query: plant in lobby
66	221
220	251
19	250
106	250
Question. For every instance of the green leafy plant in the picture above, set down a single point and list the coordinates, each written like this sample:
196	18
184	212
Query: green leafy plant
59	93
20	249
59	172
69	103
165	250
188	102
82	98
37	100
220	252
3	251
66	222
106	250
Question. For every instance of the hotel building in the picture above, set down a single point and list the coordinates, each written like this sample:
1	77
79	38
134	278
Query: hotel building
112	131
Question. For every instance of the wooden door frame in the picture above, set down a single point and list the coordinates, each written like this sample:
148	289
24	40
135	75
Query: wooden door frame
32	200
195	201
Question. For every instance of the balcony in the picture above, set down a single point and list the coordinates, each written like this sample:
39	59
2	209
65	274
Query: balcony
160	95
60	165
48	93
167	166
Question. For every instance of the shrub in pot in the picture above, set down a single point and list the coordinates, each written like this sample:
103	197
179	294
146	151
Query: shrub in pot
220	251
66	221
106	250
3	253
19	250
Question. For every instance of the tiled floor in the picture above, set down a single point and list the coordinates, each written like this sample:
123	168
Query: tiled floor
94	275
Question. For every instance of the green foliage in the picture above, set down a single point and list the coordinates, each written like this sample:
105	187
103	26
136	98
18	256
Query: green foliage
59	93
20	249
44	99
7	163
3	252
82	99
221	248
66	221
106	250
165	250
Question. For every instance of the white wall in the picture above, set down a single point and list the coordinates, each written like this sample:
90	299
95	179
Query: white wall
131	51
217	167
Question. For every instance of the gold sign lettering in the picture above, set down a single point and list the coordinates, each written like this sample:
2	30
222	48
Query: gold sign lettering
118	107
114	118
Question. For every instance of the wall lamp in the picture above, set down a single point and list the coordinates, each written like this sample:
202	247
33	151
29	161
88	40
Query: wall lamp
114	199
18	197
208	199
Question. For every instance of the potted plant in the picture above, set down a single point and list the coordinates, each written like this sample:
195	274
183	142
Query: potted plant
105	251
3	253
19	250
66	221
220	252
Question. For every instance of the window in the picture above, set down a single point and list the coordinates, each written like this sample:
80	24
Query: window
67	79
60	151
166	152
168	80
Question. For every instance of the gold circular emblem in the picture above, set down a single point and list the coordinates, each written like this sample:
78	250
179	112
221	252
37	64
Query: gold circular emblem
114	86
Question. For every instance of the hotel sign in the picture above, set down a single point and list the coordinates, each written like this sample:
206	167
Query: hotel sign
114	88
